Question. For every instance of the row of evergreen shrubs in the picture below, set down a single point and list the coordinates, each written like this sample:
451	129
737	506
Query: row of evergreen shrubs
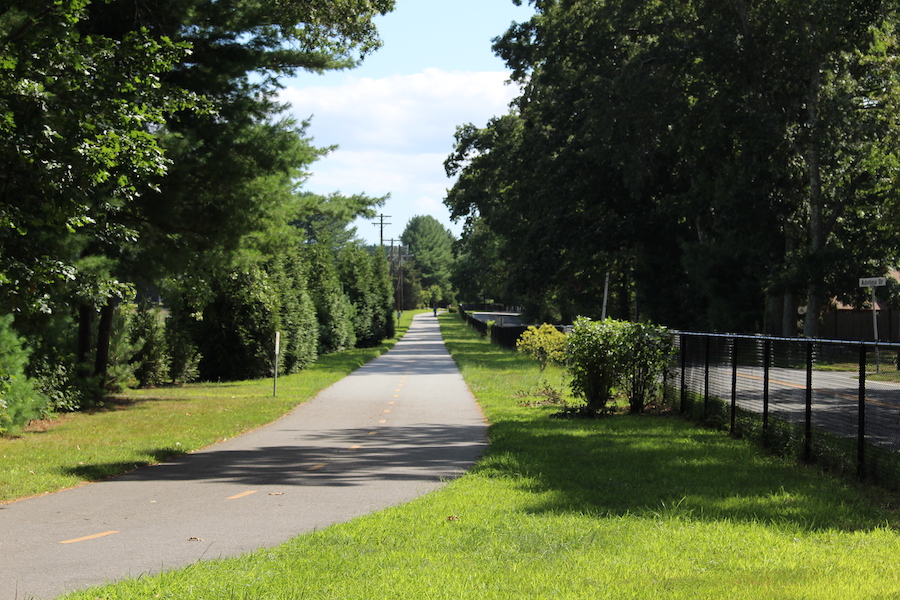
605	358
318	299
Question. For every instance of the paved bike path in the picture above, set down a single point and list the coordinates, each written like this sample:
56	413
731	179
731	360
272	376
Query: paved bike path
393	430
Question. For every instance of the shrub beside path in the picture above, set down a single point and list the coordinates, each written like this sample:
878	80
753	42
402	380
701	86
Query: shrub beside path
395	429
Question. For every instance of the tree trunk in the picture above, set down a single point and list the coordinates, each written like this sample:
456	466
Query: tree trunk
104	336
774	308
789	316
816	221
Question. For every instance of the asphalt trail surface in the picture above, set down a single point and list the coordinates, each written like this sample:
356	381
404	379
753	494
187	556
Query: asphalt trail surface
397	428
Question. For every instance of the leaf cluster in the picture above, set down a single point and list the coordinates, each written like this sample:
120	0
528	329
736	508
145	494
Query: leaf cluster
714	158
602	356
546	344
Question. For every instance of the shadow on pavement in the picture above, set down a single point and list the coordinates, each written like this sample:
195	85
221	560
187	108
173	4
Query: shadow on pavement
421	452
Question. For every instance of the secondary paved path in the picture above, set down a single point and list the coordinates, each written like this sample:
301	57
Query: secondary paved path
395	429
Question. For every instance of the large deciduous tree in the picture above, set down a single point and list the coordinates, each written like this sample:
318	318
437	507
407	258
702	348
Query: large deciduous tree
721	156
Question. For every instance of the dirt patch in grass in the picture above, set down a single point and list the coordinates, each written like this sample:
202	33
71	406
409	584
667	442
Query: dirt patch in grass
47	423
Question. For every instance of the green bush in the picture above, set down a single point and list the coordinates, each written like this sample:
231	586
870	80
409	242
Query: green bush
546	344
184	356
20	401
296	315
596	360
648	351
236	333
359	279
148	332
334	310
605	355
122	352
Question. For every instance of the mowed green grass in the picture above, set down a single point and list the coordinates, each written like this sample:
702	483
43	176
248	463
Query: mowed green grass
152	425
623	507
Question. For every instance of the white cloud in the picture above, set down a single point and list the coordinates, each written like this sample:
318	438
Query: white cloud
416	112
395	133
381	172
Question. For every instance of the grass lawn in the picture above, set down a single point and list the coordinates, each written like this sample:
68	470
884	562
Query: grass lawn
623	507
152	425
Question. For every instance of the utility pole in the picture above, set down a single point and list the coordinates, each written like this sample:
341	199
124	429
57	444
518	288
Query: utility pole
380	224
397	267
400	279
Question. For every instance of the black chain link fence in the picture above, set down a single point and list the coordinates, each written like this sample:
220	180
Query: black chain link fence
836	403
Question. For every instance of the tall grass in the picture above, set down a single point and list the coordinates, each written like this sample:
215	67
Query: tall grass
621	507
148	426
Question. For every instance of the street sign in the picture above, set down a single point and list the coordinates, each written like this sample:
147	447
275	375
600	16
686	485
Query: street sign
872	282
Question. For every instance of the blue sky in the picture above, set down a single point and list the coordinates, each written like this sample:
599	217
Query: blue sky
394	117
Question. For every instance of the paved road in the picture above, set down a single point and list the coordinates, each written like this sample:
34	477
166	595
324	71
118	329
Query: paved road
835	399
395	429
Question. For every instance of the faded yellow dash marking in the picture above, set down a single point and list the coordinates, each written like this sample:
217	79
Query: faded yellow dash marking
355	447
89	537
241	495
391	403
387	410
317	467
383	421
373	433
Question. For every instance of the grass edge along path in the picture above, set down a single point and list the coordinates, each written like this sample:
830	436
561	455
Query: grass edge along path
147	426
624	507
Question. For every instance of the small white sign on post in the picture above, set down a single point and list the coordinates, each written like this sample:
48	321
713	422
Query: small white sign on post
873	282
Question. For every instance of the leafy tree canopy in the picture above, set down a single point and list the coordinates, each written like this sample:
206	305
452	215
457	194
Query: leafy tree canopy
713	157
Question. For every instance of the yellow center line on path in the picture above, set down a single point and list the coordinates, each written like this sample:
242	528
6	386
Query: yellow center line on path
355	447
89	537
317	467
382	421
373	433
241	495
387	410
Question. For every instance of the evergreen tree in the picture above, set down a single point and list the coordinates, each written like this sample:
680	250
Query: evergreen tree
431	247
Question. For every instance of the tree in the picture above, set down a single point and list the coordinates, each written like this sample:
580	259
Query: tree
431	246
140	135
75	142
363	277
479	272
696	151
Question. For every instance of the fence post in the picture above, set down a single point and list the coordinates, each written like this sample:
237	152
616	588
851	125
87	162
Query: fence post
706	378
683	370
807	435
734	365
861	419
767	358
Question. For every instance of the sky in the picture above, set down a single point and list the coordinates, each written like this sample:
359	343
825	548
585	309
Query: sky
393	118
